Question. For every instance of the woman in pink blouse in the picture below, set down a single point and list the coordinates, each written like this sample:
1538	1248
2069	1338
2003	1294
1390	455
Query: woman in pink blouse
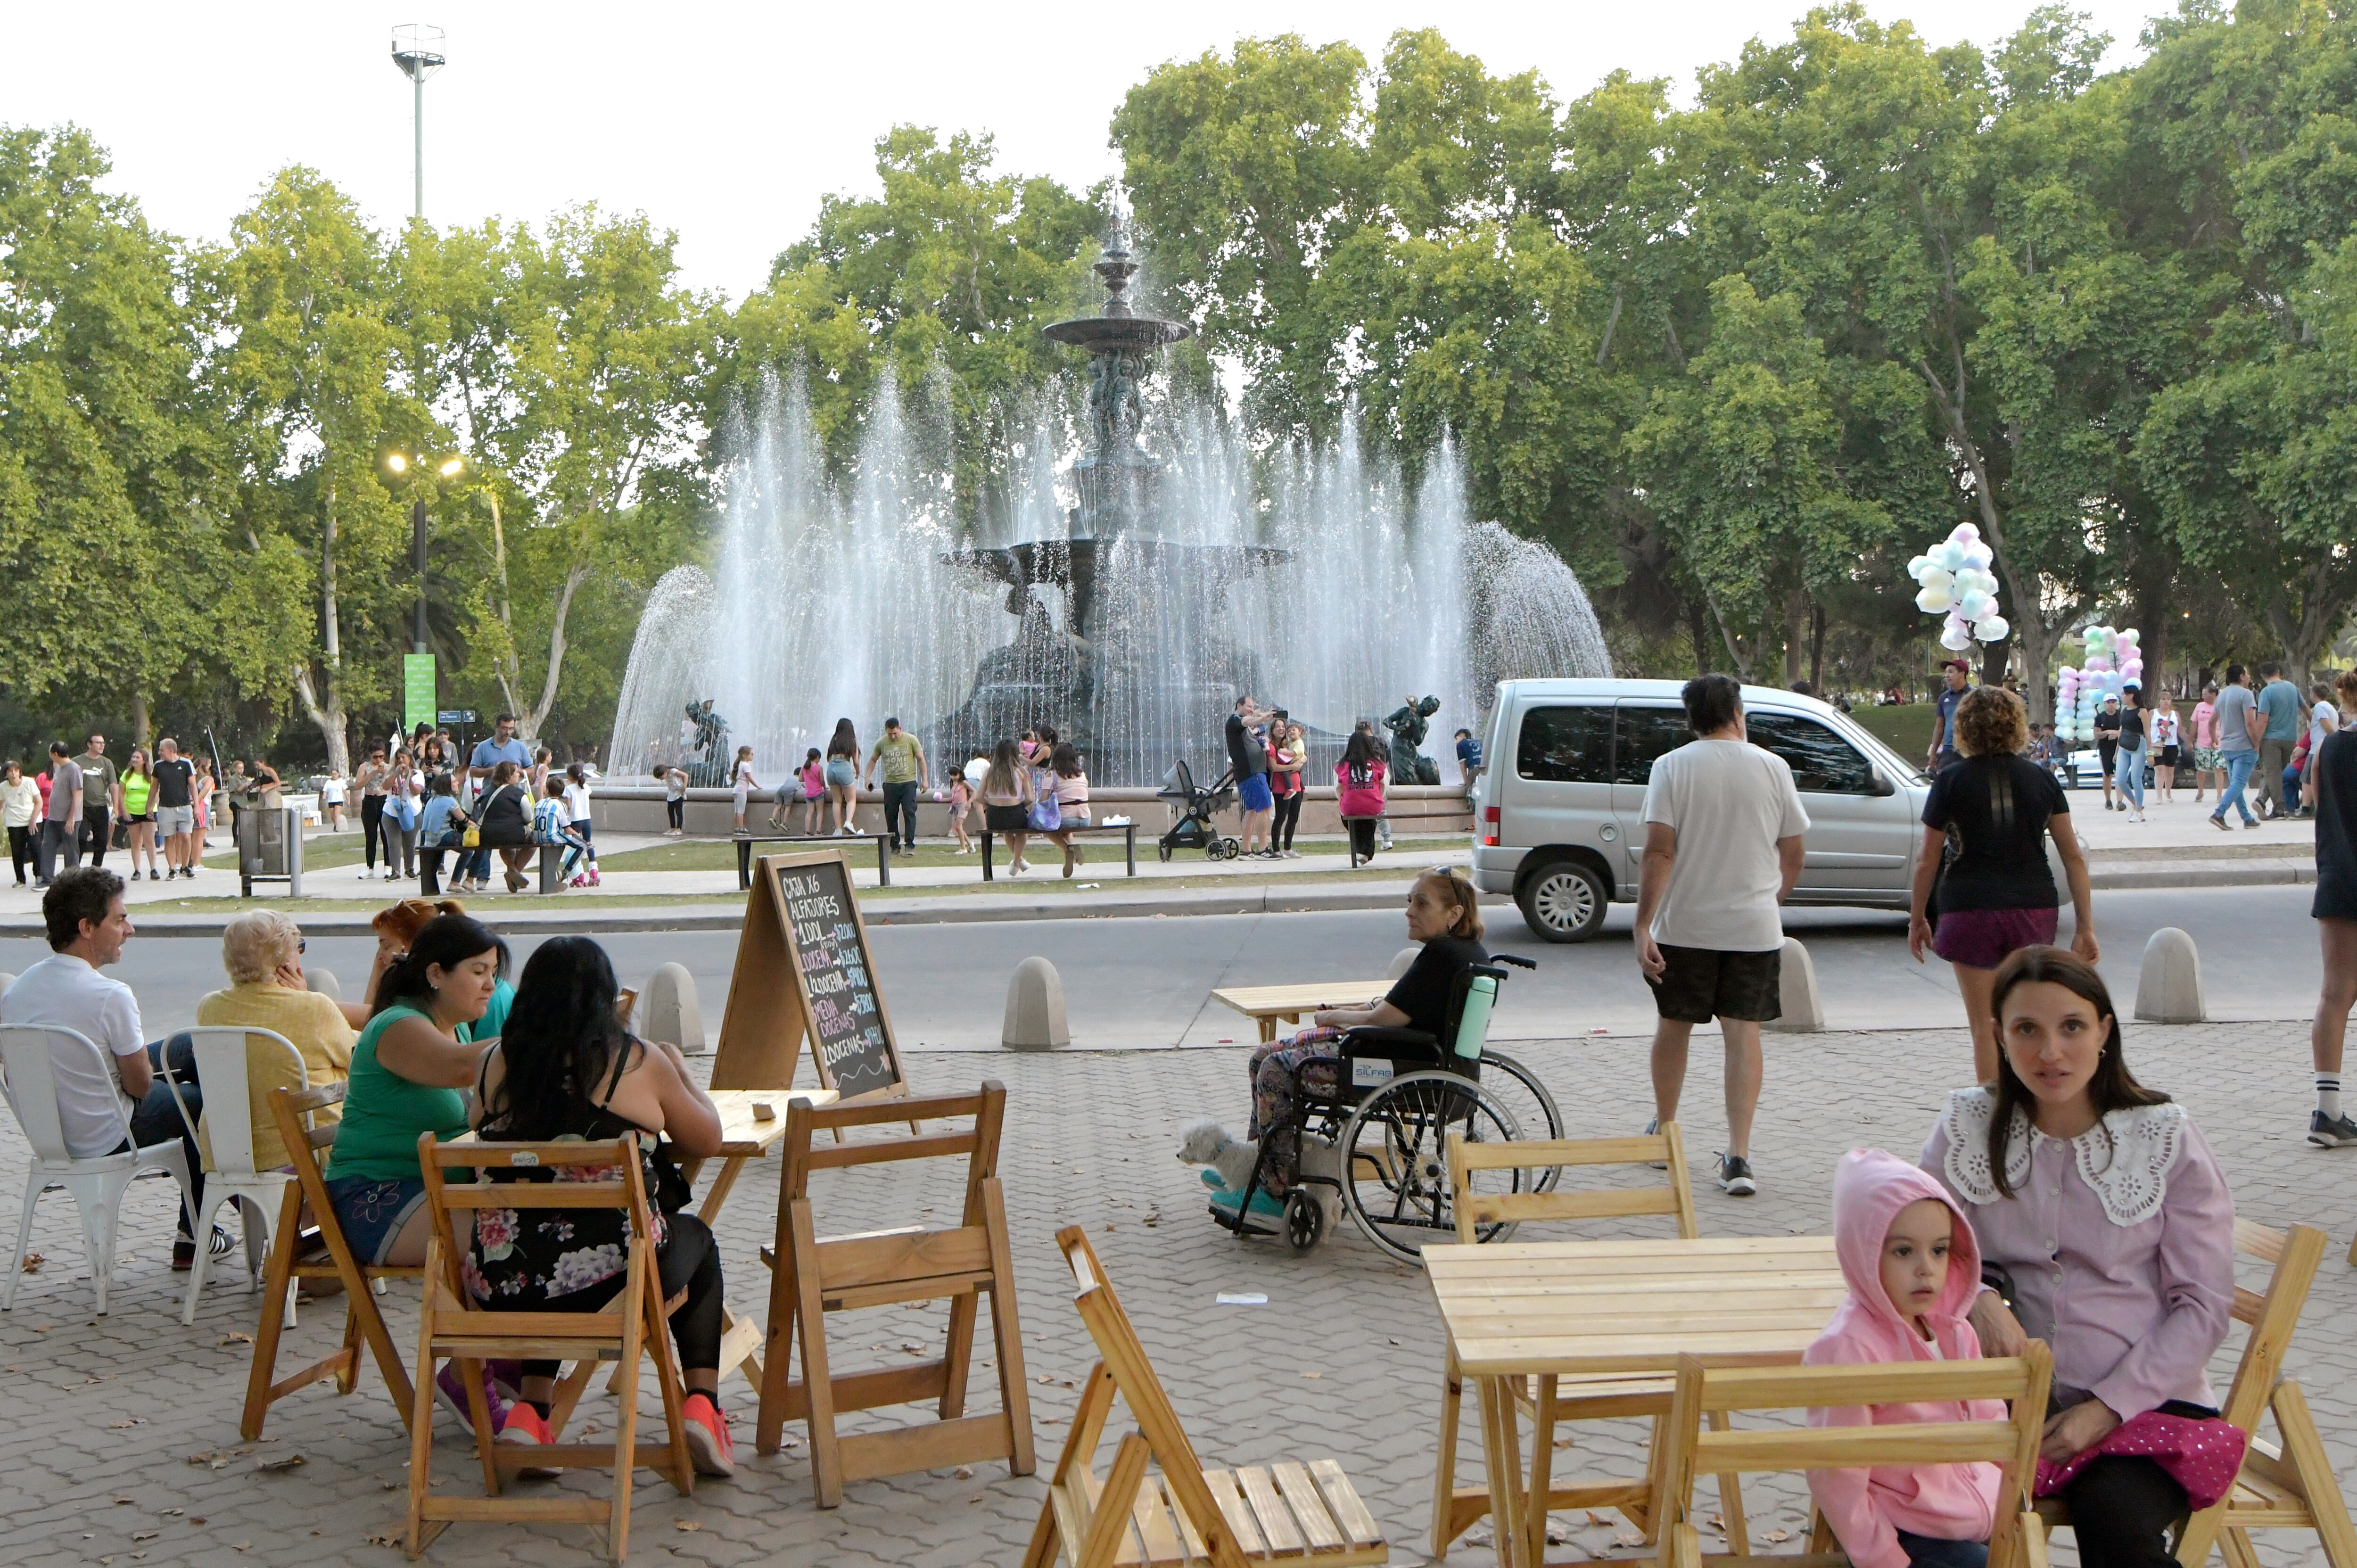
2102	1208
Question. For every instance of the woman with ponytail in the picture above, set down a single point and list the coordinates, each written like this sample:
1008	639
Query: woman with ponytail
411	1069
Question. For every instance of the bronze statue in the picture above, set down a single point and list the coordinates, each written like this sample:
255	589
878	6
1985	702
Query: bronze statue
711	741
1409	726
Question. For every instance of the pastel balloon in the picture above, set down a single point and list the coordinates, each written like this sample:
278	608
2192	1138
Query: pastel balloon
1918	566
1966	531
1936	577
1978	556
1955	639
2131	637
1949	555
1973	605
1992	628
1931	601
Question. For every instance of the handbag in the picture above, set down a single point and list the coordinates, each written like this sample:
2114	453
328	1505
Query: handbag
1046	814
404	812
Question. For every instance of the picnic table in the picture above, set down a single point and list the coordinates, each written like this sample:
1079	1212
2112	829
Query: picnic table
1264	1005
1547	1310
1127	830
744	843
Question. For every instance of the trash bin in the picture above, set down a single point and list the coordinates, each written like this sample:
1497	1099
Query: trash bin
270	849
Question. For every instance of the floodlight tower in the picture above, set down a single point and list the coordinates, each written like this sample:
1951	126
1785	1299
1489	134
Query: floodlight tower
417	54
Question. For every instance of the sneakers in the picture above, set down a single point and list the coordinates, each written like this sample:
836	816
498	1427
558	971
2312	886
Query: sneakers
184	1250
1734	1176
1264	1207
709	1443
1212	1179
451	1391
2331	1131
527	1427
1654	1130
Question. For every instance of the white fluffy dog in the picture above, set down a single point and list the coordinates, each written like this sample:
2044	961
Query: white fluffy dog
1206	1143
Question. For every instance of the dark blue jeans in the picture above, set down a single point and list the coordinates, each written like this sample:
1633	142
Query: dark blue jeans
156	1119
901	813
1924	1552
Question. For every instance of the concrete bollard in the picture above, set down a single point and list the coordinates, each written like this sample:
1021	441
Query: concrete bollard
323	983
1400	962
1802	1009
667	1009
2168	989
1035	1009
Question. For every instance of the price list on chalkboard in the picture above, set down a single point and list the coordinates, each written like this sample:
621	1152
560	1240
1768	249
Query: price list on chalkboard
846	1024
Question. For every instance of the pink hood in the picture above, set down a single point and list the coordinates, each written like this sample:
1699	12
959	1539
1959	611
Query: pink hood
1869	1508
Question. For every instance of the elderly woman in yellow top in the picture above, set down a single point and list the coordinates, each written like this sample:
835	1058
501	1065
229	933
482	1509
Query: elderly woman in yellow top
263	952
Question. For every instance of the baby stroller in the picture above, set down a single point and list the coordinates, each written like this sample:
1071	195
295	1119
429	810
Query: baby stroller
1193	830
1396	1097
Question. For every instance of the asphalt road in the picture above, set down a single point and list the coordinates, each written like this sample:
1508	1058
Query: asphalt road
1144	984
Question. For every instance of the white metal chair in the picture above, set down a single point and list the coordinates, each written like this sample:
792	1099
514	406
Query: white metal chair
28	1079
228	1144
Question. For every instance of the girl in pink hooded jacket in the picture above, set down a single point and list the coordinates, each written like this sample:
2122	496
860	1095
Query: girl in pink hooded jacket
1913	1268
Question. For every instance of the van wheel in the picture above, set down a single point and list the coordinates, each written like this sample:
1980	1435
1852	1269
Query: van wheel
1564	901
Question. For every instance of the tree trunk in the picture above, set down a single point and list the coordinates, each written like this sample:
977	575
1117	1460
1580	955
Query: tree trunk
139	719
505	665
1796	618
1734	651
1817	648
539	712
328	715
2037	639
1698	631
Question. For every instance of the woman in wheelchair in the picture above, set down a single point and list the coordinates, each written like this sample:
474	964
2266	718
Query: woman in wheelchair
1443	914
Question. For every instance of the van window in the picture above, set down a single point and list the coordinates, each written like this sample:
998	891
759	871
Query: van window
1646	734
1822	762
1566	746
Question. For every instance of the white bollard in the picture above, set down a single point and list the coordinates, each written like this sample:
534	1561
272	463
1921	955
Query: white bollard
667	1009
1035	1009
1400	962
1802	1009
2168	989
323	983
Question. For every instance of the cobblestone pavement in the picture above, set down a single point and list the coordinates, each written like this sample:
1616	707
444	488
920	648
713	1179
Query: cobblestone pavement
104	1415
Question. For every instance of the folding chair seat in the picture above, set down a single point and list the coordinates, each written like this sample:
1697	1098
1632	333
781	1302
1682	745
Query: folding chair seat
1301	1512
304	1204
452	1327
2283	1485
813	1276
1455	1509
97	1185
2018	1539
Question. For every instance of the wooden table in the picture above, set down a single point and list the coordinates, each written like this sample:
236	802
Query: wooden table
743	1138
1548	1309
1264	1005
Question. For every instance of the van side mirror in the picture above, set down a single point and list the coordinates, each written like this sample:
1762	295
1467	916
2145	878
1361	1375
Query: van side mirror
1882	784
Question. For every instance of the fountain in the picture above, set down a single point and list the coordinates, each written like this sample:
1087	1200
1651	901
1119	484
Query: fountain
1147	588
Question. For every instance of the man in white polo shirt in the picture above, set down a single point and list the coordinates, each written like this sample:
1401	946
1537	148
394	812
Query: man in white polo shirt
87	927
1723	847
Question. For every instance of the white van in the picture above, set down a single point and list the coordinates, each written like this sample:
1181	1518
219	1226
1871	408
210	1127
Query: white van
1560	813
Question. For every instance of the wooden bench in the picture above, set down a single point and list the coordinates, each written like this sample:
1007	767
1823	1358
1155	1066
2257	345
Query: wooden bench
1298	1511
1127	830
744	843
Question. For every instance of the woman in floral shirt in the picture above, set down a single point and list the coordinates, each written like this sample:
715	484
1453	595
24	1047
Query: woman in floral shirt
566	1068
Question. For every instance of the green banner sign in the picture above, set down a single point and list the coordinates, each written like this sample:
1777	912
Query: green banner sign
417	690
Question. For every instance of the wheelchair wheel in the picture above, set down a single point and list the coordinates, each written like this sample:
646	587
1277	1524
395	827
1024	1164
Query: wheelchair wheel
1304	1220
1527	1098
1395	1182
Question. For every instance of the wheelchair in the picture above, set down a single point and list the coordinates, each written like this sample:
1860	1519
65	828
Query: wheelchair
1385	1120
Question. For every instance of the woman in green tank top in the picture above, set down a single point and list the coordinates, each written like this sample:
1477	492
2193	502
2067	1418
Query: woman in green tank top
139	812
411	1069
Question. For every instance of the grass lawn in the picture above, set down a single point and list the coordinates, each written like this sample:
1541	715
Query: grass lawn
324	853
720	854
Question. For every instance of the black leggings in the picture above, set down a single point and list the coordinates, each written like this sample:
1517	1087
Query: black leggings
689	1260
2121	1506
372	827
677	811
20	849
1288	817
1362	837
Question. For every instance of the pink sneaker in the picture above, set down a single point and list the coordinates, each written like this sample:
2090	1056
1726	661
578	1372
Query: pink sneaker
709	1443
452	1392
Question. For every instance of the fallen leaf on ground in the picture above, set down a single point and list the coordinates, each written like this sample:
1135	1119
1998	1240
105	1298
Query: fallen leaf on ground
1779	1535
234	1337
1629	1538
283	1462
33	1261
963	1473
685	1524
145	1535
1563	1442
383	1538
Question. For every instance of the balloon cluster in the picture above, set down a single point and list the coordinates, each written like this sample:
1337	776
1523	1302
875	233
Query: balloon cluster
2112	662
1955	580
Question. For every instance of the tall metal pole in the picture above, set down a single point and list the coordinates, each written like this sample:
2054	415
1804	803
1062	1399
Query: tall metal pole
417	548
417	82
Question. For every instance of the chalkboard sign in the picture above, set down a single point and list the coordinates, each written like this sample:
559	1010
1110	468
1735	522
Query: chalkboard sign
803	973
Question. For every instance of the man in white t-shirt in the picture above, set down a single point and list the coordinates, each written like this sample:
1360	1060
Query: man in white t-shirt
87	927
1723	846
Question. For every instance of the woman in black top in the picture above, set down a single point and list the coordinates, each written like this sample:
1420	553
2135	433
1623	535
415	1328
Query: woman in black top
1443	914
566	1068
505	816
2129	774
2333	779
1982	826
2107	746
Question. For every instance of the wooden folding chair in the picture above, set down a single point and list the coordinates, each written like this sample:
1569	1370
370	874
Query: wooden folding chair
1303	1511
2017	1542
305	1203
812	1276
1455	1509
452	1327
2286	1487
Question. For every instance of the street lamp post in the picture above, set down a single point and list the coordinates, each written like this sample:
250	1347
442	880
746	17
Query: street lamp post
417	54
400	463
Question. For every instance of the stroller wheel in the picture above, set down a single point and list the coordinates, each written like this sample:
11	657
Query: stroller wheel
1304	1220
1227	849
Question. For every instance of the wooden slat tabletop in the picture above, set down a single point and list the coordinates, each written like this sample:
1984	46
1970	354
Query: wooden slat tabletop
1286	1001
1513	1308
741	1135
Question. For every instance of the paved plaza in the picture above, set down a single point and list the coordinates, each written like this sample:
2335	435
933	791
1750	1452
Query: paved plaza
121	1445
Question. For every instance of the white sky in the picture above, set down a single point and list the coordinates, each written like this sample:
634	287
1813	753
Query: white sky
726	123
